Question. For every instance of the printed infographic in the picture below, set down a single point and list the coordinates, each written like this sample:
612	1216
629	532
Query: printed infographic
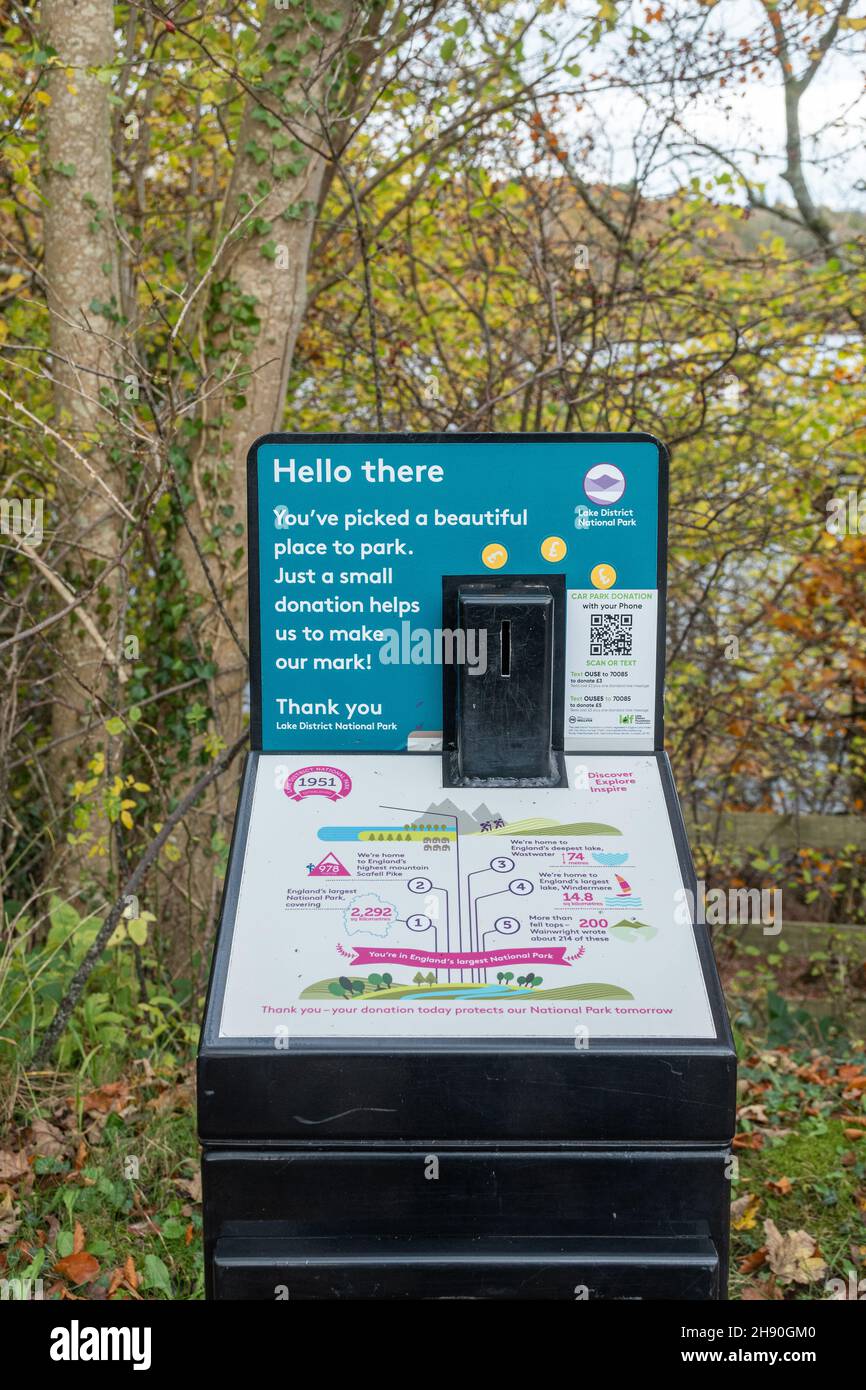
374	903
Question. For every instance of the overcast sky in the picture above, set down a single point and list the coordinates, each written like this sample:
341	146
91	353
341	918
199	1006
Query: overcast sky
749	120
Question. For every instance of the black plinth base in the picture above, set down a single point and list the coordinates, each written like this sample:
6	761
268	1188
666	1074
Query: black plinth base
518	1268
460	1222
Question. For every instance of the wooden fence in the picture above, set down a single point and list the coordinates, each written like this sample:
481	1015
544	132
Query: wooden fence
762	830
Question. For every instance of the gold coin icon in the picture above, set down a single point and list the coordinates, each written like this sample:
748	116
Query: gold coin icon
494	556
553	548
603	576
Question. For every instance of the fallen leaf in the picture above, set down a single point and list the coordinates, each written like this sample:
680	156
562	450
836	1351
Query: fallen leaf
129	1272
78	1268
753	1261
191	1187
753	1112
854	1133
817	1078
9	1219
178	1097
749	1141
114	1095
13	1165
47	1140
78	1240
744	1212
764	1292
793	1257
781	1186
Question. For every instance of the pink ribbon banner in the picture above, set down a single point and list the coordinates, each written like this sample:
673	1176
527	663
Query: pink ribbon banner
456	960
320	779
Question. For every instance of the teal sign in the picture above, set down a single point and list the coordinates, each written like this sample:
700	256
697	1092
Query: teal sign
350	538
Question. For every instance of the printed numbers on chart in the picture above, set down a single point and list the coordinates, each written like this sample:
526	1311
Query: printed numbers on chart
418	922
369	914
520	886
506	926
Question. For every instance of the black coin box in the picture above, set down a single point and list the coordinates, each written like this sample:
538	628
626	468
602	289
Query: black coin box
509	1163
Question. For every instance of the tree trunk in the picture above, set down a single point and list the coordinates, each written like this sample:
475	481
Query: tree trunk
82	291
258	293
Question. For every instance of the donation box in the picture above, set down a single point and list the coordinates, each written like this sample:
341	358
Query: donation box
464	1037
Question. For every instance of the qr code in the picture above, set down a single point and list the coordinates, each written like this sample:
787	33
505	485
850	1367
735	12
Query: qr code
610	634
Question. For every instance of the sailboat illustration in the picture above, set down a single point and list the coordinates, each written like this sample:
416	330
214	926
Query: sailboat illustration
624	886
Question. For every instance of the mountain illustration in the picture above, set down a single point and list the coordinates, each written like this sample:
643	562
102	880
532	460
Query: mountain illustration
448	814
606	483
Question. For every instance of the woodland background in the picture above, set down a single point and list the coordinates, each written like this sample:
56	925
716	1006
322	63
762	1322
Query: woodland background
219	220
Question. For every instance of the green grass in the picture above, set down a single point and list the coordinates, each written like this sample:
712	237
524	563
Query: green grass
126	1183
826	1169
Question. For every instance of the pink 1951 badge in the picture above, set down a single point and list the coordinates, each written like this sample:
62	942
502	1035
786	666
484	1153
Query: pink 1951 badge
318	781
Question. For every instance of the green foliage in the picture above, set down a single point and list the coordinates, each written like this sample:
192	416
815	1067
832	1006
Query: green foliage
127	1002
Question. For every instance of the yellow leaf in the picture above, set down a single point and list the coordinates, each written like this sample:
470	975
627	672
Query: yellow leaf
43	98
744	1212
137	929
126	819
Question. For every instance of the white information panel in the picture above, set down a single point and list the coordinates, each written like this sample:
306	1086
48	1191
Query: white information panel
375	903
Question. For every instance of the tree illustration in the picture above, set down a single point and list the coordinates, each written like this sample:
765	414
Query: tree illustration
344	988
375	981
